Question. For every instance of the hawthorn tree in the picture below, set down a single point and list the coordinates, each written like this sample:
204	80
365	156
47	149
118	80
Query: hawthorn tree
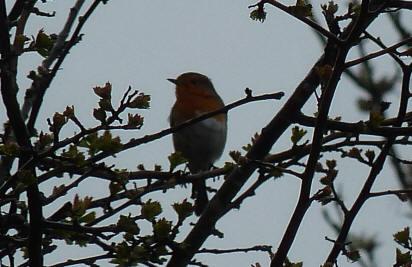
32	157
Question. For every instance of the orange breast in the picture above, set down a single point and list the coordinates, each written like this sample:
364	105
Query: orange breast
191	103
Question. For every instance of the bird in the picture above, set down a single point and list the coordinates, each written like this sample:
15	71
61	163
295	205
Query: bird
201	143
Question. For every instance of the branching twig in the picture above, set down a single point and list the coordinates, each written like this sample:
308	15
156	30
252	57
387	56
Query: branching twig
305	20
225	251
148	138
87	261
399	193
63	192
249	192
43	81
377	54
351	35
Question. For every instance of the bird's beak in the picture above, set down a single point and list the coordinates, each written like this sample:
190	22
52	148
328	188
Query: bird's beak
173	81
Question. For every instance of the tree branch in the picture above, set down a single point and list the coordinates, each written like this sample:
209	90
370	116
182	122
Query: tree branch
148	138
378	53
87	261
363	196
58	47
43	81
397	193
224	251
375	170
351	36
238	177
305	20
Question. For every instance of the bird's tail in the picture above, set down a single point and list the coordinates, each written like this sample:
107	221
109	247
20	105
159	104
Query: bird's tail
200	195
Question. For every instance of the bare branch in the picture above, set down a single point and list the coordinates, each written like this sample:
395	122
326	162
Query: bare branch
399	193
378	53
44	79
55	52
148	138
305	20
224	251
86	261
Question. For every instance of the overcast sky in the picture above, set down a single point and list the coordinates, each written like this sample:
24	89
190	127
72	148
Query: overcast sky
142	43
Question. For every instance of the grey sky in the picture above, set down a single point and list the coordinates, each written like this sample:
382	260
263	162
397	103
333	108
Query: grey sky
141	43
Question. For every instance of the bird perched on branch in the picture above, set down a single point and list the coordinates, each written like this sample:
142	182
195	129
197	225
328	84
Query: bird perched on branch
201	143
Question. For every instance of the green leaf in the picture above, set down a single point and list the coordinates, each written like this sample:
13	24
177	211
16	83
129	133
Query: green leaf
184	209
134	121
88	218
353	255
105	104
331	8
20	40
258	14
128	225
75	155
104	92
25	251
99	114
151	209
235	155
106	142
10	149
130	255
142	101
402	237
122	176
301	9
58	190
402	259
88	142
58	121
354	8
297	134
80	206
276	172
139	252
43	43
44	140
229	166
176	159
69	112
324	195
247	147
161	229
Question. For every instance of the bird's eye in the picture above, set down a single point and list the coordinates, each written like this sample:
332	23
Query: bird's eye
194	82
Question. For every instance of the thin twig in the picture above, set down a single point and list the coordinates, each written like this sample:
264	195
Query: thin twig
263	248
88	260
148	138
305	20
390	192
377	54
43	81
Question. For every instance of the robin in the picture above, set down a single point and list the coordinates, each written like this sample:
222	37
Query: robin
201	143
